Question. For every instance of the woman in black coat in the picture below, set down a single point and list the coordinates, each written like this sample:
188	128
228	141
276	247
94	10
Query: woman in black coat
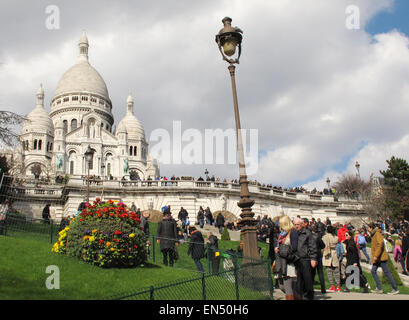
167	238
196	247
352	257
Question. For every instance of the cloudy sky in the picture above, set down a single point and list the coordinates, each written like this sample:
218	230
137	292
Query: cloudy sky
319	95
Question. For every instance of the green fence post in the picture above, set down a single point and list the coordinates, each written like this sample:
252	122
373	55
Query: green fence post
236	277
270	279
208	257
151	289
51	230
5	225
203	286
153	248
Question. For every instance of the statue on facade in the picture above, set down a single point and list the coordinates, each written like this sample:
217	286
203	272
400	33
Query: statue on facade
59	162
126	166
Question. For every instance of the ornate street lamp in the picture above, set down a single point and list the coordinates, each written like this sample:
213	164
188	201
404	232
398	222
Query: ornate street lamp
89	154
357	166
229	41
328	183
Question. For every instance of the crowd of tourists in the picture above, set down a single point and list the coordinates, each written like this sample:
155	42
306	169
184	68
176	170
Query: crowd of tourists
300	249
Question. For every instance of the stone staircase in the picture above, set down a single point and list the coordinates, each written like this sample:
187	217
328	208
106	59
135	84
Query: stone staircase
234	235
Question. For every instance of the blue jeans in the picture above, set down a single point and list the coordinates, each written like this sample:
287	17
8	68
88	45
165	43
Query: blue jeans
384	266
198	265
201	222
363	249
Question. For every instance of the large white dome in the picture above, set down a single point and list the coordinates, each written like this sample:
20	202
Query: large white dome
82	77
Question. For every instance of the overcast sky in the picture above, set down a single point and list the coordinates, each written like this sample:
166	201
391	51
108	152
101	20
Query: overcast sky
320	95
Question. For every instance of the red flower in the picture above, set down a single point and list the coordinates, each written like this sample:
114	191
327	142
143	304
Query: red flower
136	247
81	220
117	232
101	241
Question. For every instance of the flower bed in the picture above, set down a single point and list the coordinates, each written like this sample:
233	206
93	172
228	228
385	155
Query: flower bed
104	234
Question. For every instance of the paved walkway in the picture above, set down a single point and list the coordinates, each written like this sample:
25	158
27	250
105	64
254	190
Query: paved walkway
279	295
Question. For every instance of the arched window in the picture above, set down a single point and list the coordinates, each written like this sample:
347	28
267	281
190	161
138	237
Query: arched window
135	151
65	126
73	124
48	146
108	169
35	144
39	144
71	167
130	150
51	146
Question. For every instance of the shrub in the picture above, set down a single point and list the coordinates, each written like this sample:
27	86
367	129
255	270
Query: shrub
105	234
225	234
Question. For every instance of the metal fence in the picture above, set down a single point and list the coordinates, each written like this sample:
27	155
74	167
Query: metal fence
17	225
246	281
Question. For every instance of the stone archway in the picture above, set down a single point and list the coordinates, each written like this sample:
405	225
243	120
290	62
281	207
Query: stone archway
156	216
229	215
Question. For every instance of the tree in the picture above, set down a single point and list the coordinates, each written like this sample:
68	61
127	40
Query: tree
396	187
352	186
36	170
8	121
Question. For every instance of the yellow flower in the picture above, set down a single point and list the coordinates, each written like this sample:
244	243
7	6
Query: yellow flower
132	235
112	249
108	244
67	228
94	231
85	237
100	257
92	238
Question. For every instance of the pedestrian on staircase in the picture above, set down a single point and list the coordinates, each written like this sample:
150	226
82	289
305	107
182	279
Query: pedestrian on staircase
380	259
220	222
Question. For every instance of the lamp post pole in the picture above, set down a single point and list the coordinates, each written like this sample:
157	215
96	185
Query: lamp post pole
228	39
357	166
89	153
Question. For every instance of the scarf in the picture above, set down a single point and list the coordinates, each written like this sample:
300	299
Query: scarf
281	237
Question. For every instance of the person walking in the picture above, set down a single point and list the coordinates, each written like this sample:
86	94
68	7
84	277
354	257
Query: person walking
220	222
379	259
209	216
352	258
286	246
330	259
405	250
46	213
182	216
319	268
213	252
200	217
397	254
167	238
307	254
361	241
196	247
144	222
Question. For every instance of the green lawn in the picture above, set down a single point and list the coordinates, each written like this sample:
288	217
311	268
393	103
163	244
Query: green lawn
25	257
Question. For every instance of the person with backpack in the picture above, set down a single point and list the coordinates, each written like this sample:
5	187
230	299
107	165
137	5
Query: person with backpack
361	241
397	254
196	247
380	259
46	213
330	259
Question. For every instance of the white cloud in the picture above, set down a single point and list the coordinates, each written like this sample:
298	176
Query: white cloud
315	91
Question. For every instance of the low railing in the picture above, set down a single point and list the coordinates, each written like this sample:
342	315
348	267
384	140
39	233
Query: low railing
56	189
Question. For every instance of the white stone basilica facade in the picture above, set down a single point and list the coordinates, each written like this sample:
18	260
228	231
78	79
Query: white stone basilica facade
81	116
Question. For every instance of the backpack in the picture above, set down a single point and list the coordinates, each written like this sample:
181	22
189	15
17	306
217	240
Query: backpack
361	240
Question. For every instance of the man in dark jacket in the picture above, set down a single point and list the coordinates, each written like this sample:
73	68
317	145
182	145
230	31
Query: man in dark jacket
308	256
200	217
209	216
167	238
220	222
46	213
182	216
213	252
319	268
196	247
